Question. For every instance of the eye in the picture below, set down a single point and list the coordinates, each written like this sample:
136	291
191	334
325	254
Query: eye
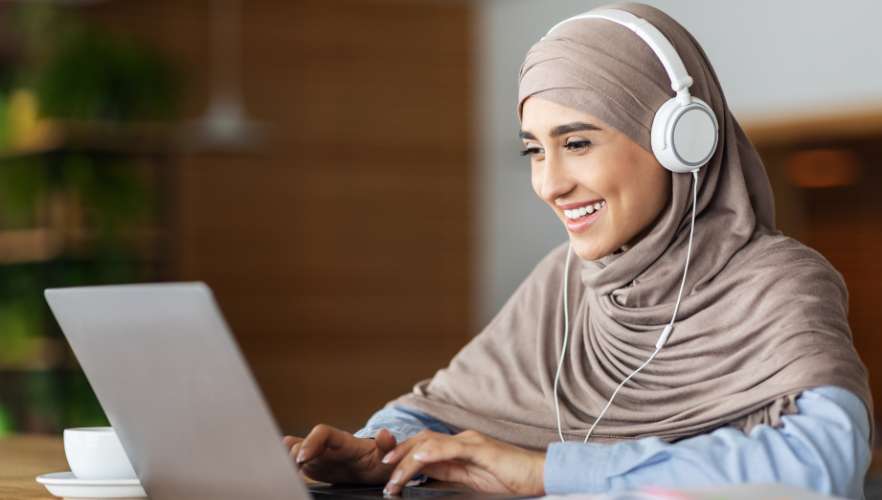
576	145
530	151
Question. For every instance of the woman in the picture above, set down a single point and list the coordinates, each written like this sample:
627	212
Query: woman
758	380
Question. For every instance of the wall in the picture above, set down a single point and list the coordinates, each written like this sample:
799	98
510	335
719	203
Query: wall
338	246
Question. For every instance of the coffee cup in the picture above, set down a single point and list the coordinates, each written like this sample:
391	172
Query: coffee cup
96	453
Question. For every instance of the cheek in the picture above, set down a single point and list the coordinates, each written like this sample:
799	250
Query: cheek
630	187
602	178
643	196
656	188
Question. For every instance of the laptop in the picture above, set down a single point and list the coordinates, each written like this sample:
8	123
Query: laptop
175	387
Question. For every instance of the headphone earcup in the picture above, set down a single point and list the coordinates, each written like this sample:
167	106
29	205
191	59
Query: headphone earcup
684	137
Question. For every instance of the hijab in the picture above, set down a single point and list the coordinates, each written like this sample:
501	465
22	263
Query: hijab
762	318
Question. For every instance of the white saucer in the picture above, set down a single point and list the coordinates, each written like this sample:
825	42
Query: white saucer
65	484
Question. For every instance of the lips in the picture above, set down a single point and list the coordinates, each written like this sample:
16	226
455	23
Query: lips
580	204
583	222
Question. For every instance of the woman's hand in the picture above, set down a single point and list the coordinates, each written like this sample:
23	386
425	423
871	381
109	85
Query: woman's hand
468	458
336	456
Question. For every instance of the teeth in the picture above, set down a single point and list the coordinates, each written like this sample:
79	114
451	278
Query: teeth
582	211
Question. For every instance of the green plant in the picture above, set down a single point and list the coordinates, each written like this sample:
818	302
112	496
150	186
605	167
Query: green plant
5	133
5	423
94	76
86	199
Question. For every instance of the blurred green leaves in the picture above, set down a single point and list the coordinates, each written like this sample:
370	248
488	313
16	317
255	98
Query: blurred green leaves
89	201
93	76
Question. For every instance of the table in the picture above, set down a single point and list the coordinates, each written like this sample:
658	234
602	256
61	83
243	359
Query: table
23	458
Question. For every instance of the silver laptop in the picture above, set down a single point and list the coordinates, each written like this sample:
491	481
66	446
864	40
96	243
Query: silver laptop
171	380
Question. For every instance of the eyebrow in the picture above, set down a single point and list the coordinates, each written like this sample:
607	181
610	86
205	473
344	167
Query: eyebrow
562	129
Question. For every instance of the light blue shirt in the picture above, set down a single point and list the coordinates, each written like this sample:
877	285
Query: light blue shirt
823	447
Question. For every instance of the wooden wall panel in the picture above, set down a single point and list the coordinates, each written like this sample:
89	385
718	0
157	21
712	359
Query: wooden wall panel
339	250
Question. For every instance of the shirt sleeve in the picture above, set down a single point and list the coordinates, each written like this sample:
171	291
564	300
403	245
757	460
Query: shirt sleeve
401	422
823	447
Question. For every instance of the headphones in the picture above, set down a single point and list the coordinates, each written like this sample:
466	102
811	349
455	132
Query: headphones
683	137
684	129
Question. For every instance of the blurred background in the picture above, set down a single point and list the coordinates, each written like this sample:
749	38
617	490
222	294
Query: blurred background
345	176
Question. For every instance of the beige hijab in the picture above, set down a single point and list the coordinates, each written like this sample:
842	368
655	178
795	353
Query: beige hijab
762	318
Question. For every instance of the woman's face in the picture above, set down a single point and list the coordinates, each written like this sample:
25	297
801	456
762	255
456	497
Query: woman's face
577	162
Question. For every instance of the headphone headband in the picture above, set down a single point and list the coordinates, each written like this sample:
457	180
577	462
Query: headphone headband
664	50
684	129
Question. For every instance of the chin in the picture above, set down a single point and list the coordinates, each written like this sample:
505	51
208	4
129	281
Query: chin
588	251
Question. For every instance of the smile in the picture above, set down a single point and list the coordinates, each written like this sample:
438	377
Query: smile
578	219
577	213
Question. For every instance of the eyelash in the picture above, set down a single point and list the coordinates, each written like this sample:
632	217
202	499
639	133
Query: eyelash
570	145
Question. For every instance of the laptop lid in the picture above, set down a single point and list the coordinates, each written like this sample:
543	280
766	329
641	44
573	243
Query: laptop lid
171	379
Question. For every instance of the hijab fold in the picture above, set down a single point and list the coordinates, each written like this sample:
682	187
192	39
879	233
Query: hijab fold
762	318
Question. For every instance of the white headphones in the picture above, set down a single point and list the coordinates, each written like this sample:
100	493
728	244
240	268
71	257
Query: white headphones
683	138
684	129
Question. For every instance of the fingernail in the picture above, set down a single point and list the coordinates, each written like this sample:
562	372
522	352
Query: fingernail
395	477
386	492
301	456
388	457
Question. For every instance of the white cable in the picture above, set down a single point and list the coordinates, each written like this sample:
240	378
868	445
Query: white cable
662	338
689	248
566	334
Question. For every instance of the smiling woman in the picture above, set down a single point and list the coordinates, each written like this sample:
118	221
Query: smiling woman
579	163
754	380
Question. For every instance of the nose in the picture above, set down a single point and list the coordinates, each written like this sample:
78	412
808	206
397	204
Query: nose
556	180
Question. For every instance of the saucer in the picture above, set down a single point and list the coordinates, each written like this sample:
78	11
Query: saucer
65	484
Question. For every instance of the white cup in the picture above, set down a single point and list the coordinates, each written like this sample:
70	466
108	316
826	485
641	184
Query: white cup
96	453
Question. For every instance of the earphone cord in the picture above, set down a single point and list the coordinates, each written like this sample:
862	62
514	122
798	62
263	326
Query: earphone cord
658	345
564	349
